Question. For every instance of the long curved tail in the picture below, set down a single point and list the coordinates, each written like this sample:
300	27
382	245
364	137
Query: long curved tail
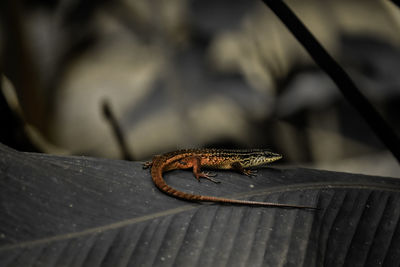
157	171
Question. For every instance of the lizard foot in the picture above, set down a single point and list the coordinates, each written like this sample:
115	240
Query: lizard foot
250	173
208	176
147	164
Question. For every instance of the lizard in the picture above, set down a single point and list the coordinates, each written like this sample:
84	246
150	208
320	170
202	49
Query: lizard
227	159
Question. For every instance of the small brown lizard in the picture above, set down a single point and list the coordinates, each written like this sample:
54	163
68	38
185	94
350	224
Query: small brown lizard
238	160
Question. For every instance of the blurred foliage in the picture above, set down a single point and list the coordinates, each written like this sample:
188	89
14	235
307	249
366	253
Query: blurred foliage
186	73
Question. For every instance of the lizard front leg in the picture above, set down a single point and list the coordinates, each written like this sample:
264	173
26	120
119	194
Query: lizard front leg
236	166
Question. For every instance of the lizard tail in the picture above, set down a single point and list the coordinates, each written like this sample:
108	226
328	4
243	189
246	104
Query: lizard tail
253	203
164	187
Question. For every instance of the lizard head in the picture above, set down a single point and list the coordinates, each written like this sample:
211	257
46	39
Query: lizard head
259	157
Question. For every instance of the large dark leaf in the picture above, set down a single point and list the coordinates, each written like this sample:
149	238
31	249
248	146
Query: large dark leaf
77	211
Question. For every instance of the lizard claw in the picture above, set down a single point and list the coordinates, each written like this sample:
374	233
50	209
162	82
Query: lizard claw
250	173
147	164
208	176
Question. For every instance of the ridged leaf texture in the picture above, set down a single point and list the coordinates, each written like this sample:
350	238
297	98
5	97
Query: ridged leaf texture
77	211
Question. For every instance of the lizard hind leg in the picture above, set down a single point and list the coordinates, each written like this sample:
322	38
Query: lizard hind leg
195	163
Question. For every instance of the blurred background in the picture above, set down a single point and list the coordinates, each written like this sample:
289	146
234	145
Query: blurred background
132	78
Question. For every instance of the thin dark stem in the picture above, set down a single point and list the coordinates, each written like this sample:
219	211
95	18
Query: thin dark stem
119	136
348	88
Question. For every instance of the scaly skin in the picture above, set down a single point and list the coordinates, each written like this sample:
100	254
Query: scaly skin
238	160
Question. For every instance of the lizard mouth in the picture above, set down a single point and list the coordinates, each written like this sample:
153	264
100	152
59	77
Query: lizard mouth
274	158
